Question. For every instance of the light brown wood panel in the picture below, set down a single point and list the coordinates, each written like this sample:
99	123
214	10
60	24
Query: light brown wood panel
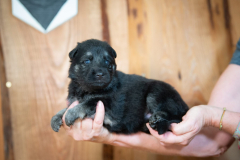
138	32
186	43
37	66
1	130
7	141
1	104
118	30
180	44
235	20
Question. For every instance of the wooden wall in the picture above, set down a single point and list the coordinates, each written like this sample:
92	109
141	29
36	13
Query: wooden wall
186	43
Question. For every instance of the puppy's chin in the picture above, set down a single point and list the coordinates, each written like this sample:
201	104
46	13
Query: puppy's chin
98	85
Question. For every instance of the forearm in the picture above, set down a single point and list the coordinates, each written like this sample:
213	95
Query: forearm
230	119
226	94
210	141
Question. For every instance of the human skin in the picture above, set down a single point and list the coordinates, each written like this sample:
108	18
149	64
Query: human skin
225	94
193	122
203	139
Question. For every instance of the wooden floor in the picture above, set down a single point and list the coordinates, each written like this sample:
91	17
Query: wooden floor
186	43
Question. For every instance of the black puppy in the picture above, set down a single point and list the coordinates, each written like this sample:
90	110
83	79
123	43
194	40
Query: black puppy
130	101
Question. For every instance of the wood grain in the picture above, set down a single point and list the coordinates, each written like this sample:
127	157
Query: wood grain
234	13
1	128
37	67
2	105
186	43
116	17
5	118
176	51
179	42
118	29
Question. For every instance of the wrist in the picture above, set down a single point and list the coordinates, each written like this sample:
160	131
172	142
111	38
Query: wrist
208	116
216	116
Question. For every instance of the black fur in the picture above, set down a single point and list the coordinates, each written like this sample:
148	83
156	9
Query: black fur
130	101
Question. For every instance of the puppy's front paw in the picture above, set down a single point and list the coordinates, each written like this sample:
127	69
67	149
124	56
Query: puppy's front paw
56	122
73	114
158	121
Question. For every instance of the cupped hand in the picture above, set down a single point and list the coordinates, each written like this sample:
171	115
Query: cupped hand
183	132
93	130
88	129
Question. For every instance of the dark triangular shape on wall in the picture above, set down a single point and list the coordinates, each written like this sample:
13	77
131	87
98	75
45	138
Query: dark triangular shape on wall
43	10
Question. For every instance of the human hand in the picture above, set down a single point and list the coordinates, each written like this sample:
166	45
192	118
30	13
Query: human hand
183	132
88	129
93	130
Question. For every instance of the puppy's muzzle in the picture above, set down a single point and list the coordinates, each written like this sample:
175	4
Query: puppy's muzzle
99	75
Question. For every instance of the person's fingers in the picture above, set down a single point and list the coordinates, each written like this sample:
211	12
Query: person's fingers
154	132
77	125
171	138
104	136
172	126
73	104
184	117
99	117
87	125
63	118
183	127
76	131
136	139
166	138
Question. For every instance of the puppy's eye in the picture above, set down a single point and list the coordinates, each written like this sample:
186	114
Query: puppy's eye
107	62
87	61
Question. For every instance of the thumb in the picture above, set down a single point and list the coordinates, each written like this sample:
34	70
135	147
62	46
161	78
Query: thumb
182	127
100	112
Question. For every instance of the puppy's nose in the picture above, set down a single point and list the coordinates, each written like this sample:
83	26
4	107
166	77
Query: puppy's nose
99	75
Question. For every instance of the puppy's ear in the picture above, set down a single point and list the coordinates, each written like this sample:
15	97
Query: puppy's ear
113	52
73	52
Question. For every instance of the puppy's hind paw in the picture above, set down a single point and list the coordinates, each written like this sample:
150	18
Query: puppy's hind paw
56	123
159	122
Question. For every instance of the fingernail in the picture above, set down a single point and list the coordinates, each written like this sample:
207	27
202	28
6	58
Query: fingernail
75	103
99	104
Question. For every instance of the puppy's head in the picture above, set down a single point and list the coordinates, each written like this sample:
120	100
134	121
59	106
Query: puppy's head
92	64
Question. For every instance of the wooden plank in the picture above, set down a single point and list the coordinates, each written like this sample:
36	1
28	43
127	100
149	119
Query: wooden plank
6	125
1	124
4	119
116	17
166	43
178	49
156	39
37	65
234	13
107	149
138	28
118	30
